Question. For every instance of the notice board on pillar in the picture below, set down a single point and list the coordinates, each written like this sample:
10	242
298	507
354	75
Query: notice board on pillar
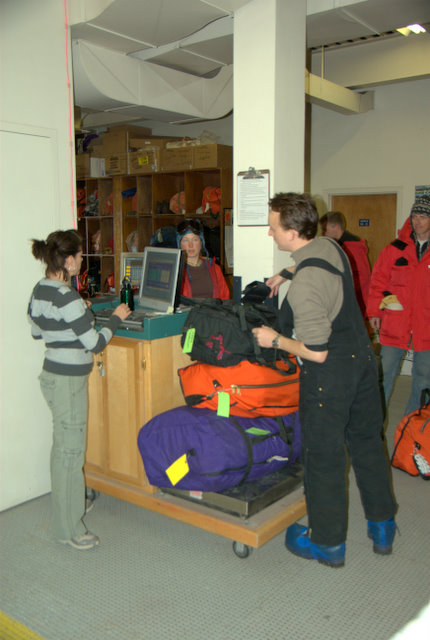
253	197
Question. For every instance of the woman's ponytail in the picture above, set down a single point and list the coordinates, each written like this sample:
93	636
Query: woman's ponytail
55	250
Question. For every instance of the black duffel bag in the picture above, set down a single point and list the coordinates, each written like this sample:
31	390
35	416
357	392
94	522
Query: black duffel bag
219	332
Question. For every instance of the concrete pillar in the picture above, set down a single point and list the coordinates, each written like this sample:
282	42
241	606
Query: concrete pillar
268	116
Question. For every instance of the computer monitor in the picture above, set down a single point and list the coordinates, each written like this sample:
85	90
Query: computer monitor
132	268
161	279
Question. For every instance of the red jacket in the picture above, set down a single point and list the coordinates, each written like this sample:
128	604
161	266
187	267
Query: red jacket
220	288
356	250
398	271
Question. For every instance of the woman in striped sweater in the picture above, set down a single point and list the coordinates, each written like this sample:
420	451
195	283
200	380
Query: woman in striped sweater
59	316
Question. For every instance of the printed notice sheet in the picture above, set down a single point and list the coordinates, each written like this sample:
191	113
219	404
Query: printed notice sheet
253	198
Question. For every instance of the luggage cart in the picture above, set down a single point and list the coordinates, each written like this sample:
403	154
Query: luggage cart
250	515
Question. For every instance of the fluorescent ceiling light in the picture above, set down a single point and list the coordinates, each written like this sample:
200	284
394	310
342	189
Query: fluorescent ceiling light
411	28
416	28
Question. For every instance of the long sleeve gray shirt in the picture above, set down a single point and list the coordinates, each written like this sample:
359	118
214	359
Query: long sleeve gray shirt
60	317
316	295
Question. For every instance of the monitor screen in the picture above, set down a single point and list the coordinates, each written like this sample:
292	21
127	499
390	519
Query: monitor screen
132	268
161	275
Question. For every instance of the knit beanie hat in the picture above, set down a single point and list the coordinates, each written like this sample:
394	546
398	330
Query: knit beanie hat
191	226
421	206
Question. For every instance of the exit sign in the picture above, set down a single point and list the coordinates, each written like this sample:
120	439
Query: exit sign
364	222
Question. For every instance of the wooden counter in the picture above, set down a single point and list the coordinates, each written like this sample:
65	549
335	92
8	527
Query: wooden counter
140	381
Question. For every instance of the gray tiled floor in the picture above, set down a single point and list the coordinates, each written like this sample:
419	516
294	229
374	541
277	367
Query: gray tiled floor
158	579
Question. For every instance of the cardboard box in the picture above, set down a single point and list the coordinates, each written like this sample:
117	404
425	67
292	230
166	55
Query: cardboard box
143	161
88	166
178	159
82	164
95	146
116	164
117	139
210	156
158	142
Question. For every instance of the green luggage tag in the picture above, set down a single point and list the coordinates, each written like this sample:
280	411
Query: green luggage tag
223	409
255	431
189	340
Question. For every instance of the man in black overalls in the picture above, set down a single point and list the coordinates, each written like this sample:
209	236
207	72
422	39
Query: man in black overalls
340	404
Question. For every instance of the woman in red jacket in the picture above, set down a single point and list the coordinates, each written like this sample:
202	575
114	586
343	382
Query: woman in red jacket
203	277
399	302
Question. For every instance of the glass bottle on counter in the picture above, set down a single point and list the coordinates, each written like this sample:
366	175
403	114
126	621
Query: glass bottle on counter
126	294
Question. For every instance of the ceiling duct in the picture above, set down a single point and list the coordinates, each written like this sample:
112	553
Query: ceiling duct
108	81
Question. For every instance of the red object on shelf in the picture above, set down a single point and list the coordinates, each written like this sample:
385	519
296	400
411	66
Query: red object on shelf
109	205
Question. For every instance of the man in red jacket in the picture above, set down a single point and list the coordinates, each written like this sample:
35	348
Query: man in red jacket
399	302
333	225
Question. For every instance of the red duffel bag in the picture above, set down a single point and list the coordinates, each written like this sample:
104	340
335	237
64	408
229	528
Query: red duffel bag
253	389
412	441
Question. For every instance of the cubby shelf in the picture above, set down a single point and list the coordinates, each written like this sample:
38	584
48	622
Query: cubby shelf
118	208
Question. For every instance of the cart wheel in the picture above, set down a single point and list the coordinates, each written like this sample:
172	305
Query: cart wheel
241	550
91	494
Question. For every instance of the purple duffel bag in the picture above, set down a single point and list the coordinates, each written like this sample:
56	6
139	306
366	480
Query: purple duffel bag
195	449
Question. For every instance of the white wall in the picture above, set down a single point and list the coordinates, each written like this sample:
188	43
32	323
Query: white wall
36	198
388	147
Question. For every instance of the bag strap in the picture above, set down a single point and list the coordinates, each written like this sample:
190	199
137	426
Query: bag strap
292	368
240	311
287	435
249	450
283	433
425	393
321	263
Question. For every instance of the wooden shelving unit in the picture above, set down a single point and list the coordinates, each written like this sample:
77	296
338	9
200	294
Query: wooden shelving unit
96	226
131	203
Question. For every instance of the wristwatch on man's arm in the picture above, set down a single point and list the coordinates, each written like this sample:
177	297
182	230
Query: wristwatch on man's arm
275	342
286	274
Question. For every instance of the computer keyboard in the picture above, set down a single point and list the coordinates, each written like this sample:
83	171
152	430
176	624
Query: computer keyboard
135	319
103	314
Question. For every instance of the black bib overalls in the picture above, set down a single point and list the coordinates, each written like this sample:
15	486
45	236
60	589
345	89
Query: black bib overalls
340	408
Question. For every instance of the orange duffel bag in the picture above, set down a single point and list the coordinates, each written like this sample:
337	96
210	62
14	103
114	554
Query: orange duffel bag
412	441
253	389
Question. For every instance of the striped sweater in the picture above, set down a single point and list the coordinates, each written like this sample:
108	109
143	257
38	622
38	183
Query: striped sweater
60	317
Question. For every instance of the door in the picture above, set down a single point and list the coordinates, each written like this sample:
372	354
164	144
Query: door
124	409
30	209
370	216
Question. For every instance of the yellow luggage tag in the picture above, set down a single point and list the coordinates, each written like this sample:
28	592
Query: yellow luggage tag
223	408
178	469
189	340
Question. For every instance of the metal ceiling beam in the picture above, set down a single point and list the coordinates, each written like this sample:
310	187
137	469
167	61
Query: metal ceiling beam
333	96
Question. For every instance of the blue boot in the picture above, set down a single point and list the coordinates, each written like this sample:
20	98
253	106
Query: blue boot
298	542
382	534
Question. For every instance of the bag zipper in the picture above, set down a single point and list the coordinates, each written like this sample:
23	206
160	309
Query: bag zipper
235	388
